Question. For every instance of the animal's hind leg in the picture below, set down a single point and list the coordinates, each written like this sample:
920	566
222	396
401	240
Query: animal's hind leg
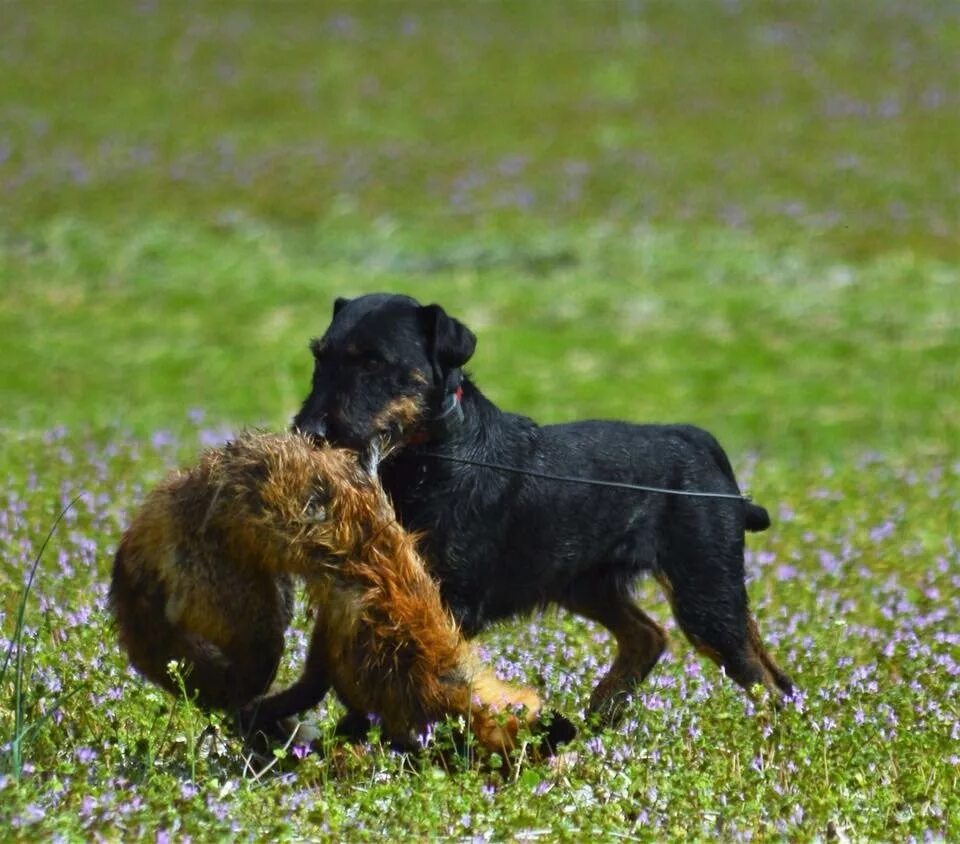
718	623
781	680
267	714
251	667
640	642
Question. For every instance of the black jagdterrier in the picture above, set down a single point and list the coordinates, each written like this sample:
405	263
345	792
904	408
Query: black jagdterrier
388	370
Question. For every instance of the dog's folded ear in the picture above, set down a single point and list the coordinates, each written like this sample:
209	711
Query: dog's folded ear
338	304
451	343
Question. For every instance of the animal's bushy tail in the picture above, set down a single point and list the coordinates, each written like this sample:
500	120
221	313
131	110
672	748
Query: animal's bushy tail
756	518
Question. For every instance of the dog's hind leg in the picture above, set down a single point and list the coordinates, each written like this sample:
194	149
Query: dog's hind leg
718	623
640	642
774	672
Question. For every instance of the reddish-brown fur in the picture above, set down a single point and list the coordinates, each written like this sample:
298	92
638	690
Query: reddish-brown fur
204	574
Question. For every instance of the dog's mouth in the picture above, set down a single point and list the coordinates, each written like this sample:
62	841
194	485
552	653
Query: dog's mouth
314	430
315	439
370	452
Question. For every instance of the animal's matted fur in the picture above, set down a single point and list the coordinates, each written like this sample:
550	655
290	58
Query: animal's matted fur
204	574
388	374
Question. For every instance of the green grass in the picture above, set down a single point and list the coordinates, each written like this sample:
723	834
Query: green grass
738	214
778	351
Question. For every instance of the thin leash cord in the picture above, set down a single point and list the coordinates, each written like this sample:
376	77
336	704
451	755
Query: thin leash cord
500	467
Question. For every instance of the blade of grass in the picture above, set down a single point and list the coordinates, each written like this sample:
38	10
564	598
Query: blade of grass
15	642
57	703
17	645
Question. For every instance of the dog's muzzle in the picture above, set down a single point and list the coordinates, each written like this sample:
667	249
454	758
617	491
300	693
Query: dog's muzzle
315	429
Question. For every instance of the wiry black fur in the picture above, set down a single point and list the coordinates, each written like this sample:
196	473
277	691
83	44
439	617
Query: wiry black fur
502	544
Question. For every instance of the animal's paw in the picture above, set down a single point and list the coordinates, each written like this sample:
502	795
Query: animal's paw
607	710
553	730
353	727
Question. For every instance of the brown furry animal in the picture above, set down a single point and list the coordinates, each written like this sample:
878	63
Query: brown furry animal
205	574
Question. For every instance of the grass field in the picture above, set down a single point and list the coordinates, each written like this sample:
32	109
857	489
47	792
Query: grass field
739	214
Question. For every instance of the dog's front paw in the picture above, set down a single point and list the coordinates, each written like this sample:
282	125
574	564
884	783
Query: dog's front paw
607	710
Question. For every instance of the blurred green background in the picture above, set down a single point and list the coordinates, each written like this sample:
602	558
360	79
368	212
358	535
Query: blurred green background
740	214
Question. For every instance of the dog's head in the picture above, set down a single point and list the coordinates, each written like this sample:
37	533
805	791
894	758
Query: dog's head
383	370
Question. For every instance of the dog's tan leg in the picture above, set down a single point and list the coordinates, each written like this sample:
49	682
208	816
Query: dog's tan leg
776	681
640	642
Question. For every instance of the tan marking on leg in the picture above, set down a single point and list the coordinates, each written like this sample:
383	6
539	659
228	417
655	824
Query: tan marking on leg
496	709
772	674
640	642
757	655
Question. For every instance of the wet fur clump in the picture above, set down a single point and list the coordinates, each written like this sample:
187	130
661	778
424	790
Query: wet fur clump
205	574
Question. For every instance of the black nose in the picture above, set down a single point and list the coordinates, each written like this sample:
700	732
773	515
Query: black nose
313	427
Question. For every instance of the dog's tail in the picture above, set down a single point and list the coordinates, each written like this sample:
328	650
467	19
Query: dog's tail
756	518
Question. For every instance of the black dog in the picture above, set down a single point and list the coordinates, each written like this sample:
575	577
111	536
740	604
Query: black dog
388	374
